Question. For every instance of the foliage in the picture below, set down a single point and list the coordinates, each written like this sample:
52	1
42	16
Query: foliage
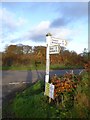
32	103
82	98
72	99
65	88
72	92
66	84
61	66
24	55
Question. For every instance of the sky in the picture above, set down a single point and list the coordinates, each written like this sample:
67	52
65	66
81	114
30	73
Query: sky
28	23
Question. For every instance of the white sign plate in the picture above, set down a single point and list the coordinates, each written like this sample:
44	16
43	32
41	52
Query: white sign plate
57	41
54	42
63	43
49	90
54	49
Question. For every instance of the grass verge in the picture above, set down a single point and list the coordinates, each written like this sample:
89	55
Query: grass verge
32	103
39	67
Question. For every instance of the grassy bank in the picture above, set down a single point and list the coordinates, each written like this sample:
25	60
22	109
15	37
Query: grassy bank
32	103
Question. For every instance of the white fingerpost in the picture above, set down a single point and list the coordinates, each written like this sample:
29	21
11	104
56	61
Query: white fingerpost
48	40
52	47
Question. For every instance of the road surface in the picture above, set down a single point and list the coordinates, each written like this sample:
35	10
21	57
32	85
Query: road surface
13	79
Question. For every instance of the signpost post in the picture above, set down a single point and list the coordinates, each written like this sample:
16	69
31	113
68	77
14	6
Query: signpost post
52	47
48	39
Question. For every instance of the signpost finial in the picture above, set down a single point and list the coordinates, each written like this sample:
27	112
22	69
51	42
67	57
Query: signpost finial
48	34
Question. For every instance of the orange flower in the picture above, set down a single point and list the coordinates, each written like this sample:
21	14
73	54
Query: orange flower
69	90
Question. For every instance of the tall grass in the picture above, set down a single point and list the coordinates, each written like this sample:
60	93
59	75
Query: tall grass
33	104
82	102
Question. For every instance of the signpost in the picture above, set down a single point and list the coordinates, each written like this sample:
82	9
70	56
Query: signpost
54	41
53	47
48	39
59	41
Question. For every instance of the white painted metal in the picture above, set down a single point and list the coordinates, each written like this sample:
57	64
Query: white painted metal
57	41
54	41
52	47
47	78
51	92
55	49
48	39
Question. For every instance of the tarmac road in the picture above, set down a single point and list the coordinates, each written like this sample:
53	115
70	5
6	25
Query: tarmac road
12	80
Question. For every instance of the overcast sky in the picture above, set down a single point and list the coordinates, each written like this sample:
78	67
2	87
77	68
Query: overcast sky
28	22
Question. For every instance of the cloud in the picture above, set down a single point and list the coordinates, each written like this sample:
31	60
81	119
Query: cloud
43	25
74	9
59	22
10	22
70	12
67	13
61	32
38	33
